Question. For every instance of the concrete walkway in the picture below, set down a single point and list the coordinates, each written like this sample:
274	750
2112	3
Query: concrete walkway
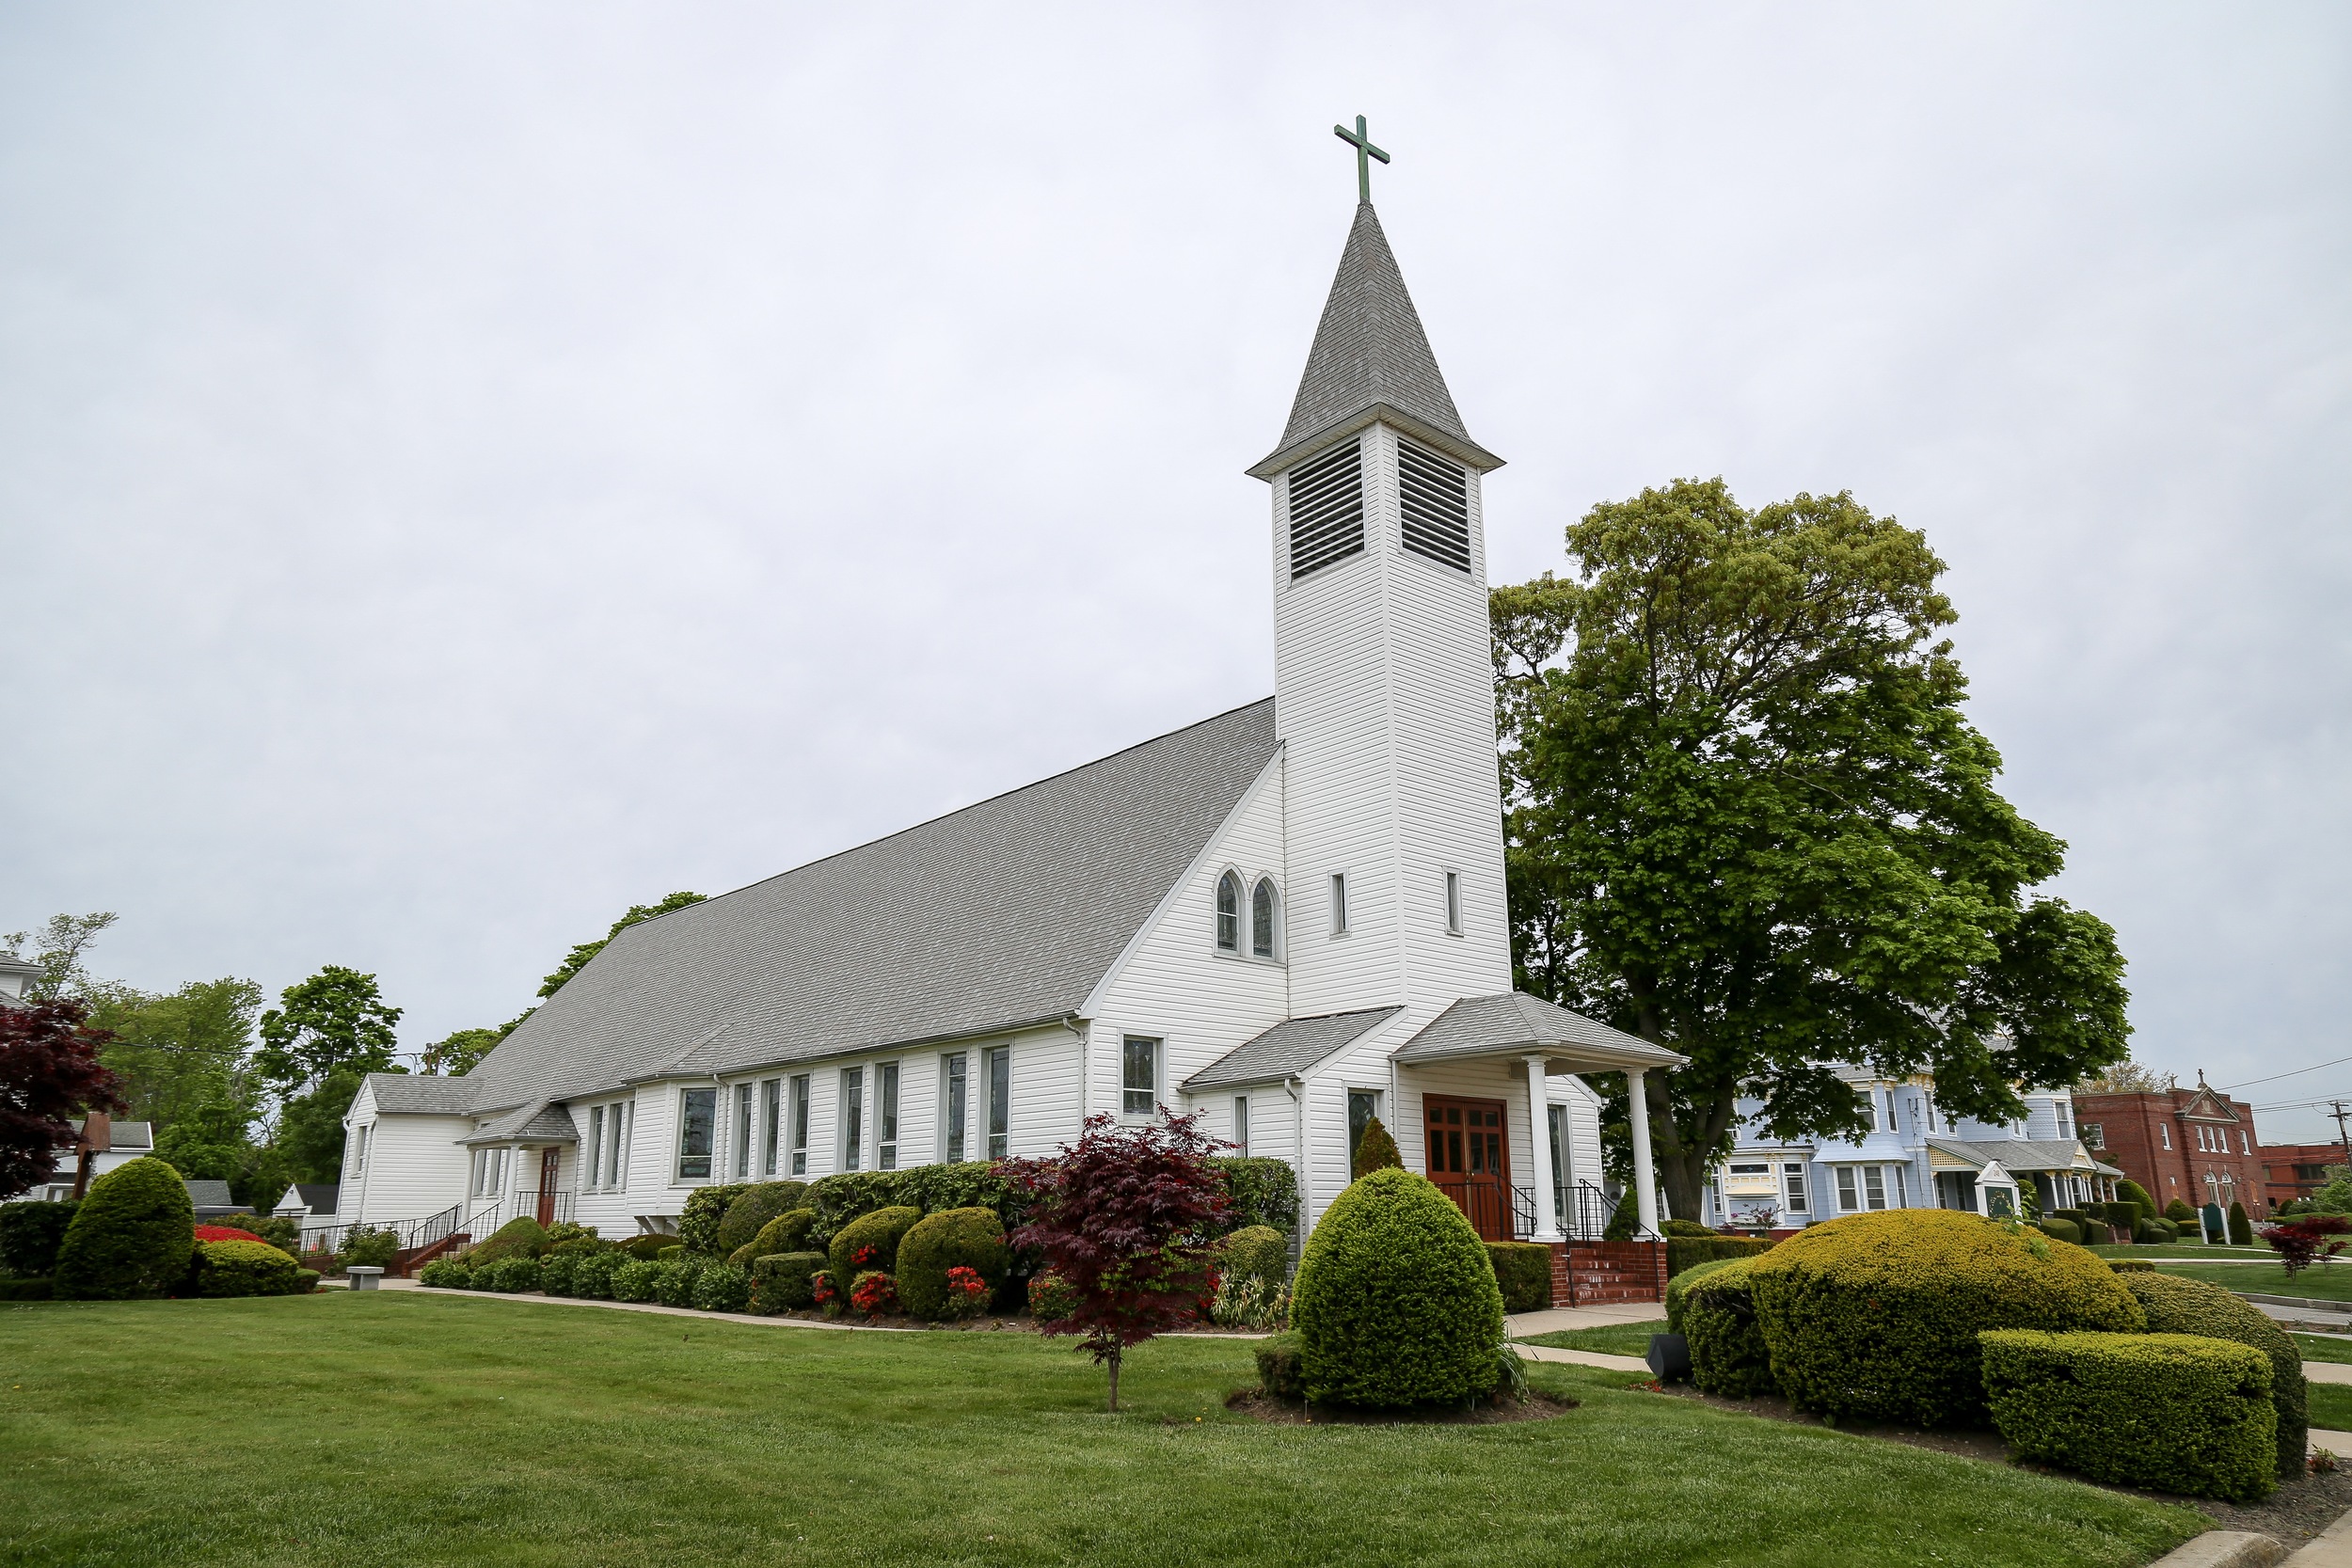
1518	1326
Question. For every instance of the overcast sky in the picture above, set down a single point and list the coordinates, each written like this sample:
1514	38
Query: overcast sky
466	469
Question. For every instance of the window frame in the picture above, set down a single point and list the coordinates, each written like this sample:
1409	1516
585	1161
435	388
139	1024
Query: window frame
1241	1126
1155	1054
1264	890
850	1136
709	1154
996	1102
955	1105
886	1115
801	1089
1369	1100
594	1163
1225	904
1794	1188
740	1109
1339	903
771	1123
1452	903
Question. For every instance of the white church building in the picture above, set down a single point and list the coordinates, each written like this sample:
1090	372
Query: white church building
1289	918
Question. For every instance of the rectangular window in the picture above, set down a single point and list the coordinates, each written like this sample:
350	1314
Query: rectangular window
1453	903
1139	1076
770	1096
1792	1183
618	1120
1339	903
886	1116
742	1131
698	1112
1848	1199
996	1061
955	1105
1241	1126
1874	1185
1891	1125
359	1147
1558	1116
1363	1105
2163	1134
596	1146
852	1115
799	1126
2095	1135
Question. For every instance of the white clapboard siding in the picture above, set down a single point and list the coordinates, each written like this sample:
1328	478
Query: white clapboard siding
415	1169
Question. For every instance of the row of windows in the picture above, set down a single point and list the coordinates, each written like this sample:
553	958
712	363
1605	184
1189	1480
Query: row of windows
768	1128
1263	917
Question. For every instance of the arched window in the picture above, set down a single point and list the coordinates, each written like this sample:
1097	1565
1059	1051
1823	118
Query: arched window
1229	913
1262	918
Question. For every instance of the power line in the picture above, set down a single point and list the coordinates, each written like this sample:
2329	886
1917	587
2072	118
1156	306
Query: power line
2276	1076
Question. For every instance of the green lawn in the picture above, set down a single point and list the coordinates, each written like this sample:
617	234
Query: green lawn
401	1429
2331	1407
2320	1347
2332	1282
2186	1249
1615	1340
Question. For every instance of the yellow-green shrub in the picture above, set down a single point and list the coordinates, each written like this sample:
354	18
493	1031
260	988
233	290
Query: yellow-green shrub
2174	1411
786	1233
1877	1315
1679	1288
2177	1306
1727	1352
1255	1252
245	1269
953	1238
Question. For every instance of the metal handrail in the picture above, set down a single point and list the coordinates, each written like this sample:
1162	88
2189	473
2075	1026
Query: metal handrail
412	1233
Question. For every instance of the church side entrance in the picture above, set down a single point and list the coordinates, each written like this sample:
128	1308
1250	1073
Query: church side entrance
1465	1153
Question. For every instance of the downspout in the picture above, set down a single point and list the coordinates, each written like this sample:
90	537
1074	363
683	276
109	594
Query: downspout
1086	1068
1297	1089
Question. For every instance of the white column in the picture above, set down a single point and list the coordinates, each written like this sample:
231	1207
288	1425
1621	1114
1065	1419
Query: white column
1539	1151
1644	1173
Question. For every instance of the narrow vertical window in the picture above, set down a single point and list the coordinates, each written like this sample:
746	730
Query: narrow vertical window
1891	1126
852	1115
1874	1185
1848	1201
1792	1184
886	1116
1556	1119
1363	1105
1139	1076
1453	903
698	1111
2164	1134
1262	919
1229	913
624	1147
596	1147
1339	903
1241	1125
998	1060
799	1125
742	1131
770	1094
954	1108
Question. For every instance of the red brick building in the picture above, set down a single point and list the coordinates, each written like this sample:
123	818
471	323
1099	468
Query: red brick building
2297	1171
2195	1145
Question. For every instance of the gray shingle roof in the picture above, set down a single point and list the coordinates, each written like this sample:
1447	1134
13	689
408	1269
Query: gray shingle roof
1004	913
1484	1026
1287	1049
421	1094
1370	352
320	1198
537	1121
204	1193
2026	1154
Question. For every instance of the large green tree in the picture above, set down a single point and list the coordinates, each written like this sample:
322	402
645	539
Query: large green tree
184	1059
578	958
59	947
337	1019
1748	820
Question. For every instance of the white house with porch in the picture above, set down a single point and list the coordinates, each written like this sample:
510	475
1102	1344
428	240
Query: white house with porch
1289	918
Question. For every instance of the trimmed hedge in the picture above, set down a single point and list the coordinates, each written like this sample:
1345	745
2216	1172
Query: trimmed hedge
761	1202
953	1238
2178	1305
558	1271
2241	1228
521	1236
2129	1265
786	1233
1728	1355
1678	1286
511	1275
851	1195
705	1211
880	1230
648	1245
30	1232
722	1287
2060	1230
245	1269
2155	1232
131	1237
1689	1251
674	1287
1396	1303
446	1274
1523	1274
1259	1191
785	1281
1257	1252
592	1277
1875	1315
26	1289
1282	1367
2178	1212
635	1280
2176	1412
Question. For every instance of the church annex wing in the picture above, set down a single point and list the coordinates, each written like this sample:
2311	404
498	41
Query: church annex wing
1002	915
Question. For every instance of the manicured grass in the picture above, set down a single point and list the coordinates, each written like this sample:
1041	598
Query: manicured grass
2187	1250
2319	1347
2332	1282
1615	1340
2330	1406
401	1429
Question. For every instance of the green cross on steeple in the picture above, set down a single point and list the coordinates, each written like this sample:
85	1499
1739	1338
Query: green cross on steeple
1361	140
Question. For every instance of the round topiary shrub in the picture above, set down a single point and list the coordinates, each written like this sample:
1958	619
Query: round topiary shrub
647	1246
953	1238
446	1274
131	1237
521	1236
1257	1252
245	1269
1877	1315
871	1242
1396	1303
787	1232
1679	1288
1727	1351
748	1213
2177	1306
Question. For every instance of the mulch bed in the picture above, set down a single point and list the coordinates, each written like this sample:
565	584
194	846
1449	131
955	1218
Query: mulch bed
1265	1407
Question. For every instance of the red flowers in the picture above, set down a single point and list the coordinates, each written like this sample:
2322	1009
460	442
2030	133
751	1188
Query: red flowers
224	1233
865	1257
875	1292
967	1293
826	1291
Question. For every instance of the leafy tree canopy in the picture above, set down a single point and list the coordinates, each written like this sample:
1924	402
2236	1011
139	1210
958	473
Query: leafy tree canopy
457	1054
578	958
57	947
1748	821
187	1048
336	1019
48	1074
2128	1078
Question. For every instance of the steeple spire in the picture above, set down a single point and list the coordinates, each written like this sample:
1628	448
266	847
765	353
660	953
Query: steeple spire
1370	360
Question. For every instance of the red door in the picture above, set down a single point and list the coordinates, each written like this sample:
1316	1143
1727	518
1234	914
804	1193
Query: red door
550	1161
1465	1156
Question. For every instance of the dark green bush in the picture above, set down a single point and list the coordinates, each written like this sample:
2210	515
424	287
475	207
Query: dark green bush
671	1254
131	1237
1257	1252
1374	1151
592	1277
1396	1303
2178	1305
761	1202
2179	1212
1685	1227
578	1246
368	1248
2176	1412
723	1287
647	1246
785	1281
244	1268
786	1233
517	1273
871	1242
446	1274
2241	1228
967	1184
1050	1297
1689	1251
1282	1367
566	1234
1259	1190
1875	1315
30	1232
1523	1274
2129	1265
2062	1230
637	1279
521	1236
953	1238
675	1287
557	1272
1727	1351
705	1211
1625	1221
25	1289
2131	1191
1679	1286
2152	1232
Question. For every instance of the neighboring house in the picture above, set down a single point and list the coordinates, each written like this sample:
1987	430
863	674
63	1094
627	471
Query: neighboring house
211	1199
16	976
107	1142
1288	918
1914	1157
2195	1145
2291	1171
311	1205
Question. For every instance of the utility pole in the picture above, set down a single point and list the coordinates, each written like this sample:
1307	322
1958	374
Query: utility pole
2336	1109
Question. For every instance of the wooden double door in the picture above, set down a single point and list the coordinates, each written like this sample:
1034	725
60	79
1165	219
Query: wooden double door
1464	1152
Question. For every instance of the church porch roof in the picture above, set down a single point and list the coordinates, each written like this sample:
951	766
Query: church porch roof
1516	1024
1287	1050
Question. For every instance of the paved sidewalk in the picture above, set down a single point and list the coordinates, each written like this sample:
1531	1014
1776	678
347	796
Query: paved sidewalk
1585	1358
2331	1548
1521	1325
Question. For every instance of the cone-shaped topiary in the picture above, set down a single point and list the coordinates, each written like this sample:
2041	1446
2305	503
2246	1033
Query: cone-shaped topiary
1627	1220
870	1241
2177	1306
2241	1229
953	1238
1375	1150
756	1208
131	1237
1396	1303
1875	1315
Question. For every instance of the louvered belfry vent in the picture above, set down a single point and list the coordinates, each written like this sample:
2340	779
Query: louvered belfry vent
1434	496
1327	506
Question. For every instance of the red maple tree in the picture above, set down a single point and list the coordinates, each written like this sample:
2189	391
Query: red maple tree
49	1073
1125	1217
2302	1242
